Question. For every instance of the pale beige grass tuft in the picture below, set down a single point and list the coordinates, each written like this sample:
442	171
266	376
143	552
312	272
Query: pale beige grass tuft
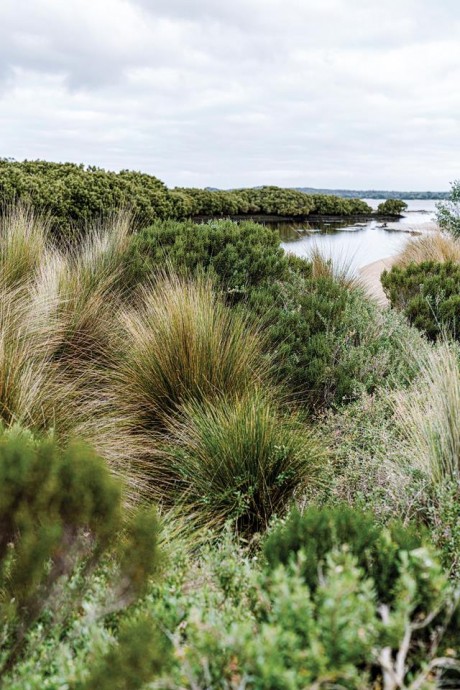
427	415
435	246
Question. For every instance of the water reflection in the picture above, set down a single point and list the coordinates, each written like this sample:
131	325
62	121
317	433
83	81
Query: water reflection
356	244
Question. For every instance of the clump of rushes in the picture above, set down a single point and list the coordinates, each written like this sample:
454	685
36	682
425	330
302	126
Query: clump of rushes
239	460
183	344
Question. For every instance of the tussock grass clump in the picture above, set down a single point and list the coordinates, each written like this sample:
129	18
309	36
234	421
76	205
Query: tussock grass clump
59	340
323	266
428	416
239	459
182	343
435	246
23	244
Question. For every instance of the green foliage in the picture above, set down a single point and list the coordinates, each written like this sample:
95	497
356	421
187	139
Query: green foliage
448	212
238	626
391	207
239	460
318	531
328	342
138	656
429	295
73	195
240	255
60	512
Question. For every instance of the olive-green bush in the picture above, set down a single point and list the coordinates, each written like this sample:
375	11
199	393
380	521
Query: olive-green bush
73	195
428	294
60	516
239	255
391	207
318	531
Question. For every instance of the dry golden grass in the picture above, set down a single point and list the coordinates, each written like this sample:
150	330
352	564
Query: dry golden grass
435	246
58	338
23	244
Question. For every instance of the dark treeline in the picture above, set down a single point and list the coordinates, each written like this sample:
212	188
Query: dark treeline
74	194
374	193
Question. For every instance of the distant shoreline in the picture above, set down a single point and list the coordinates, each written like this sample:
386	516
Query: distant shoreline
263	218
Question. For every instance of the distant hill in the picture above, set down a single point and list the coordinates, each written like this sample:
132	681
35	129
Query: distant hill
355	193
374	193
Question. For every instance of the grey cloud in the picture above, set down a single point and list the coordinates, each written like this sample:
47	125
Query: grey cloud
331	92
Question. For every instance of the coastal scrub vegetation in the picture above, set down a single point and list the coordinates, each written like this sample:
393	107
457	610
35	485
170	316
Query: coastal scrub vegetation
392	207
429	295
222	467
73	196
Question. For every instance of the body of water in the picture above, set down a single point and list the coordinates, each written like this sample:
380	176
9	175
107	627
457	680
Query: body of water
356	245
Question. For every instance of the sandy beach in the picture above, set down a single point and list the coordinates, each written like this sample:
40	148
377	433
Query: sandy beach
370	279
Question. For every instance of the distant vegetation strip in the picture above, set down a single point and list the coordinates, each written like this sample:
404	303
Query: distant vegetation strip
73	194
374	193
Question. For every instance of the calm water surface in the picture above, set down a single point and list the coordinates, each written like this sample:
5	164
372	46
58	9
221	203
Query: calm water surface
361	243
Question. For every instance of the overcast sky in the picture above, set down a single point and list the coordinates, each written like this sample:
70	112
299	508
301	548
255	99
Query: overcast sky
225	93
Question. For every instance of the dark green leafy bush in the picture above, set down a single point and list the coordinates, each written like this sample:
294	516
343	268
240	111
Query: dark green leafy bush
327	342
241	256
429	295
74	195
391	207
318	531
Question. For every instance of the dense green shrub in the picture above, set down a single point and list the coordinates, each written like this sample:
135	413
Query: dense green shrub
74	195
239	460
235	625
240	255
391	207
60	514
330	205
429	295
328	342
138	655
318	531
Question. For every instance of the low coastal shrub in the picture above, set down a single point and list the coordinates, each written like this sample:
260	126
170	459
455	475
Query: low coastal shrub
61	516
328	343
428	294
240	460
318	531
235	624
239	255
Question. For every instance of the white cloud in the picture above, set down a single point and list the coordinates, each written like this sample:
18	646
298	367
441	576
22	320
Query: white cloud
354	93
